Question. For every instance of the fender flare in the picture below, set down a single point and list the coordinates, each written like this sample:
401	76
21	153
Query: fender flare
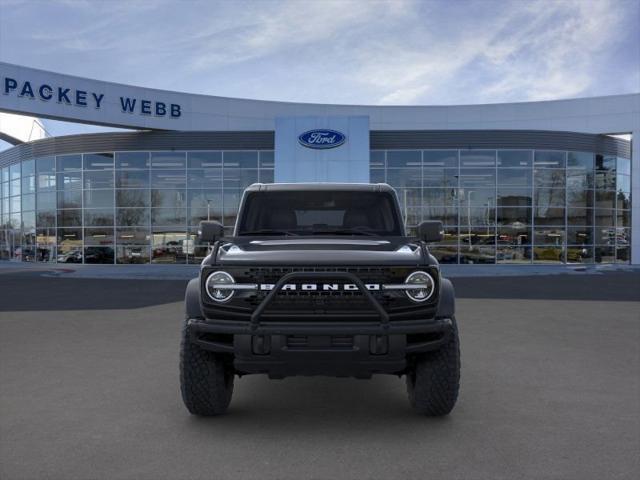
447	300
192	299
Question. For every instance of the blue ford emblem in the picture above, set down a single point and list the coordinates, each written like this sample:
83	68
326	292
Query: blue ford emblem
322	138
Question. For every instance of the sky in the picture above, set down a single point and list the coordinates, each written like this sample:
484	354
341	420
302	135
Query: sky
395	52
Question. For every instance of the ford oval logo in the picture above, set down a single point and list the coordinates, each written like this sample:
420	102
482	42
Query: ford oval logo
322	138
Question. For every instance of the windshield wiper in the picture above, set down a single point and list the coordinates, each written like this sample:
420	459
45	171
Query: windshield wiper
345	232
269	231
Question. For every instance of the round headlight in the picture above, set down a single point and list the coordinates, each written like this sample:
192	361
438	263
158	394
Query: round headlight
427	286
217	279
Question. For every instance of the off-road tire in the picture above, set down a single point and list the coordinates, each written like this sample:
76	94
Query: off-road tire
434	380
206	381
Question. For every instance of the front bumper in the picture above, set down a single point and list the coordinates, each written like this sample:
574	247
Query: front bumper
313	344
320	348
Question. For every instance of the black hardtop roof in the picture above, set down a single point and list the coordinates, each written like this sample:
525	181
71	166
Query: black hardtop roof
325	187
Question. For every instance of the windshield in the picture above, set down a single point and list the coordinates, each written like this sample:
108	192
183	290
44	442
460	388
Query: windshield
319	213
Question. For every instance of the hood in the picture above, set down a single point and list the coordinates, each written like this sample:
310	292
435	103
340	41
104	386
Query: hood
319	251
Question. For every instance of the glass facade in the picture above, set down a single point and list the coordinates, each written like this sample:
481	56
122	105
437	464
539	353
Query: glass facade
497	206
122	207
515	206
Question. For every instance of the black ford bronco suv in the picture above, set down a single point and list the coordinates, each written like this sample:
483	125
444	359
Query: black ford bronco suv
319	279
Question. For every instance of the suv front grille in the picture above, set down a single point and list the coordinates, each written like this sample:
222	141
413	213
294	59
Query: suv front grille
339	304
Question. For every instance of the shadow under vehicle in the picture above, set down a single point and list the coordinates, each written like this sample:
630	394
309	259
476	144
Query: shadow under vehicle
319	279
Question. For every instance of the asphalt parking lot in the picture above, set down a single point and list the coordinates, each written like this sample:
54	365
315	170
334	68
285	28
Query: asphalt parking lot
550	389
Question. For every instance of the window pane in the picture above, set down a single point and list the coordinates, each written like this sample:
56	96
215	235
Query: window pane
605	199
404	158
580	235
507	254
46	181
405	177
579	198
549	159
44	165
605	254
98	254
15	187
46	201
70	199
376	159
132	178
98	199
477	177
605	163
439	196
579	178
605	235
548	216
70	218
98	217
514	234
132	217
69	162
29	202
514	197
98	179
477	158
98	236
582	254
169	198
28	184
549	236
583	160
132	198
132	160
71	180
266	176
168	216
205	178
46	218
514	216
447	215
440	177
440	159
623	183
132	254
514	158
240	159
204	159
98	161
28	168
133	236
514	176
624	218
549	178
267	159
239	177
168	160
623	166
168	179
579	216
548	254
605	217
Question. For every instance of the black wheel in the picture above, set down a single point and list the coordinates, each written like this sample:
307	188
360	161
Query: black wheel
434	381
206	380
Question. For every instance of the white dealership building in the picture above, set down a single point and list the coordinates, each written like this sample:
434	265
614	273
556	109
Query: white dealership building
513	183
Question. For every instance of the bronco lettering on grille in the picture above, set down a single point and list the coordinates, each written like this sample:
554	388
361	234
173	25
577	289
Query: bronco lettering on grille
323	287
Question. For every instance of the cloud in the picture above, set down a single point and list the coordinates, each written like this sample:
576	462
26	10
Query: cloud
338	51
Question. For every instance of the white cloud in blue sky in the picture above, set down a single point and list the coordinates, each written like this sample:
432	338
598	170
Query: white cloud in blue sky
360	52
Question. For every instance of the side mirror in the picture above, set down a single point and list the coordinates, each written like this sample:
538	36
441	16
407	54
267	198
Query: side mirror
431	231
210	231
